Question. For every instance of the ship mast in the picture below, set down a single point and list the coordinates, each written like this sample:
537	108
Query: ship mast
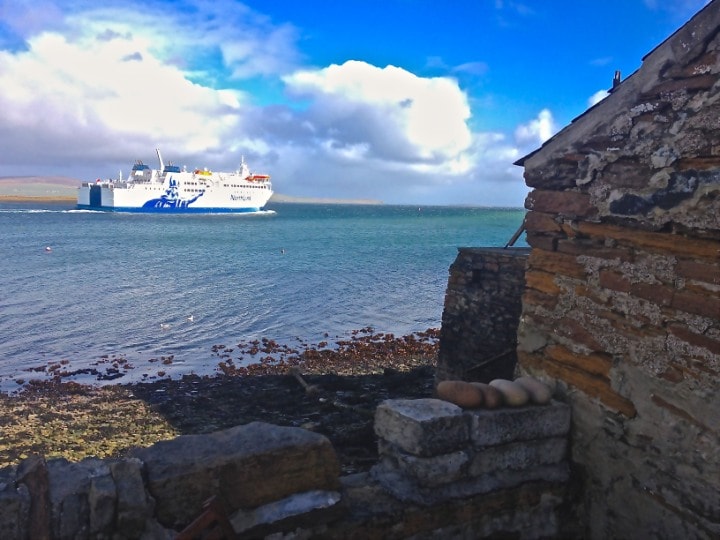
162	165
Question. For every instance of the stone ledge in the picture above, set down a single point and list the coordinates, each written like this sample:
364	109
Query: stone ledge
431	427
422	427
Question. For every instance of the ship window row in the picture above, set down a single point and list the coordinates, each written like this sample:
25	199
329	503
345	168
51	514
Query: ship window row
161	188
193	190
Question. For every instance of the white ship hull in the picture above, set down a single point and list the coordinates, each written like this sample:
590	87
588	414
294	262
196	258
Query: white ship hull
169	190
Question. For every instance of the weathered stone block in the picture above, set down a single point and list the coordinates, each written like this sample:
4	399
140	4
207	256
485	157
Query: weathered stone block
626	172
543	282
102	499
697	340
133	506
698	304
14	507
558	175
33	474
427	471
593	385
542	241
422	427
571	329
691	84
69	488
498	426
613	280
595	248
665	243
407	488
556	263
539	299
301	509
707	273
518	455
541	222
596	363
565	203
247	466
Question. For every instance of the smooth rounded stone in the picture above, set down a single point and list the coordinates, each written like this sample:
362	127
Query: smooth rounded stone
538	391
513	394
492	397
461	393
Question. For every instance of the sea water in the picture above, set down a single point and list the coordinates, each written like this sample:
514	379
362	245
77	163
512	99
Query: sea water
83	287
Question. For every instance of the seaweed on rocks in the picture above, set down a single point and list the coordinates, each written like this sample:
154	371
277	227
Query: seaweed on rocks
330	390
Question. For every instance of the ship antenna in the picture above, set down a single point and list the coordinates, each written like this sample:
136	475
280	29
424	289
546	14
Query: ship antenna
162	165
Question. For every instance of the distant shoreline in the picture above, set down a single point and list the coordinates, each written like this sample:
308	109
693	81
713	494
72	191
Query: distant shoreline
40	198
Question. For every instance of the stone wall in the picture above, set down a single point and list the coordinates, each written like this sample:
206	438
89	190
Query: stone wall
622	307
478	337
445	473
275	473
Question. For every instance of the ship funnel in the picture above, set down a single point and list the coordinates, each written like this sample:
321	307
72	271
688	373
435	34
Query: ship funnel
162	165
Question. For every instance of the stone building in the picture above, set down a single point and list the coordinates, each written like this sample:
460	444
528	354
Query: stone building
621	310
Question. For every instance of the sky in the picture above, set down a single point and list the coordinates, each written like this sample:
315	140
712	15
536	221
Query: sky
403	101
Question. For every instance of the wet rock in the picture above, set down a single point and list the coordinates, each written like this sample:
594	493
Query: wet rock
277	461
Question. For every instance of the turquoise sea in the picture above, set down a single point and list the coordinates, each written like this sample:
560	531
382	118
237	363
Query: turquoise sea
82	289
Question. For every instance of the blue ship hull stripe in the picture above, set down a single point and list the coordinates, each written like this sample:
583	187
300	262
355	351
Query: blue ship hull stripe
169	210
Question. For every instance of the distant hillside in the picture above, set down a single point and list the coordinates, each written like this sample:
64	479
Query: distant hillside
38	186
277	197
50	187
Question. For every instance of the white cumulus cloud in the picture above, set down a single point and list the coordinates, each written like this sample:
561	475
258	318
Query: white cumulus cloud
537	131
597	97
420	118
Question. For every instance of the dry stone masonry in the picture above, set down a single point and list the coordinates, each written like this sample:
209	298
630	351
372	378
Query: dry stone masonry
444	473
432	450
263	473
622	306
478	337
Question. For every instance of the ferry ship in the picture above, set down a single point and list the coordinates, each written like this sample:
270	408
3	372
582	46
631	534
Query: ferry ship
171	189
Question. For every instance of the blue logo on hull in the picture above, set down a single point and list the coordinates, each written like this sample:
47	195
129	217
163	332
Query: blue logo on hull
171	199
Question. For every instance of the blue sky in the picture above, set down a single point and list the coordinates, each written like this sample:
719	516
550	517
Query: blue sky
405	101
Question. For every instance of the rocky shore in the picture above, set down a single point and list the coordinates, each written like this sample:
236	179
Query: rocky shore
332	391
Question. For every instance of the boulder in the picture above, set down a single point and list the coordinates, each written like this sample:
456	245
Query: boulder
246	466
